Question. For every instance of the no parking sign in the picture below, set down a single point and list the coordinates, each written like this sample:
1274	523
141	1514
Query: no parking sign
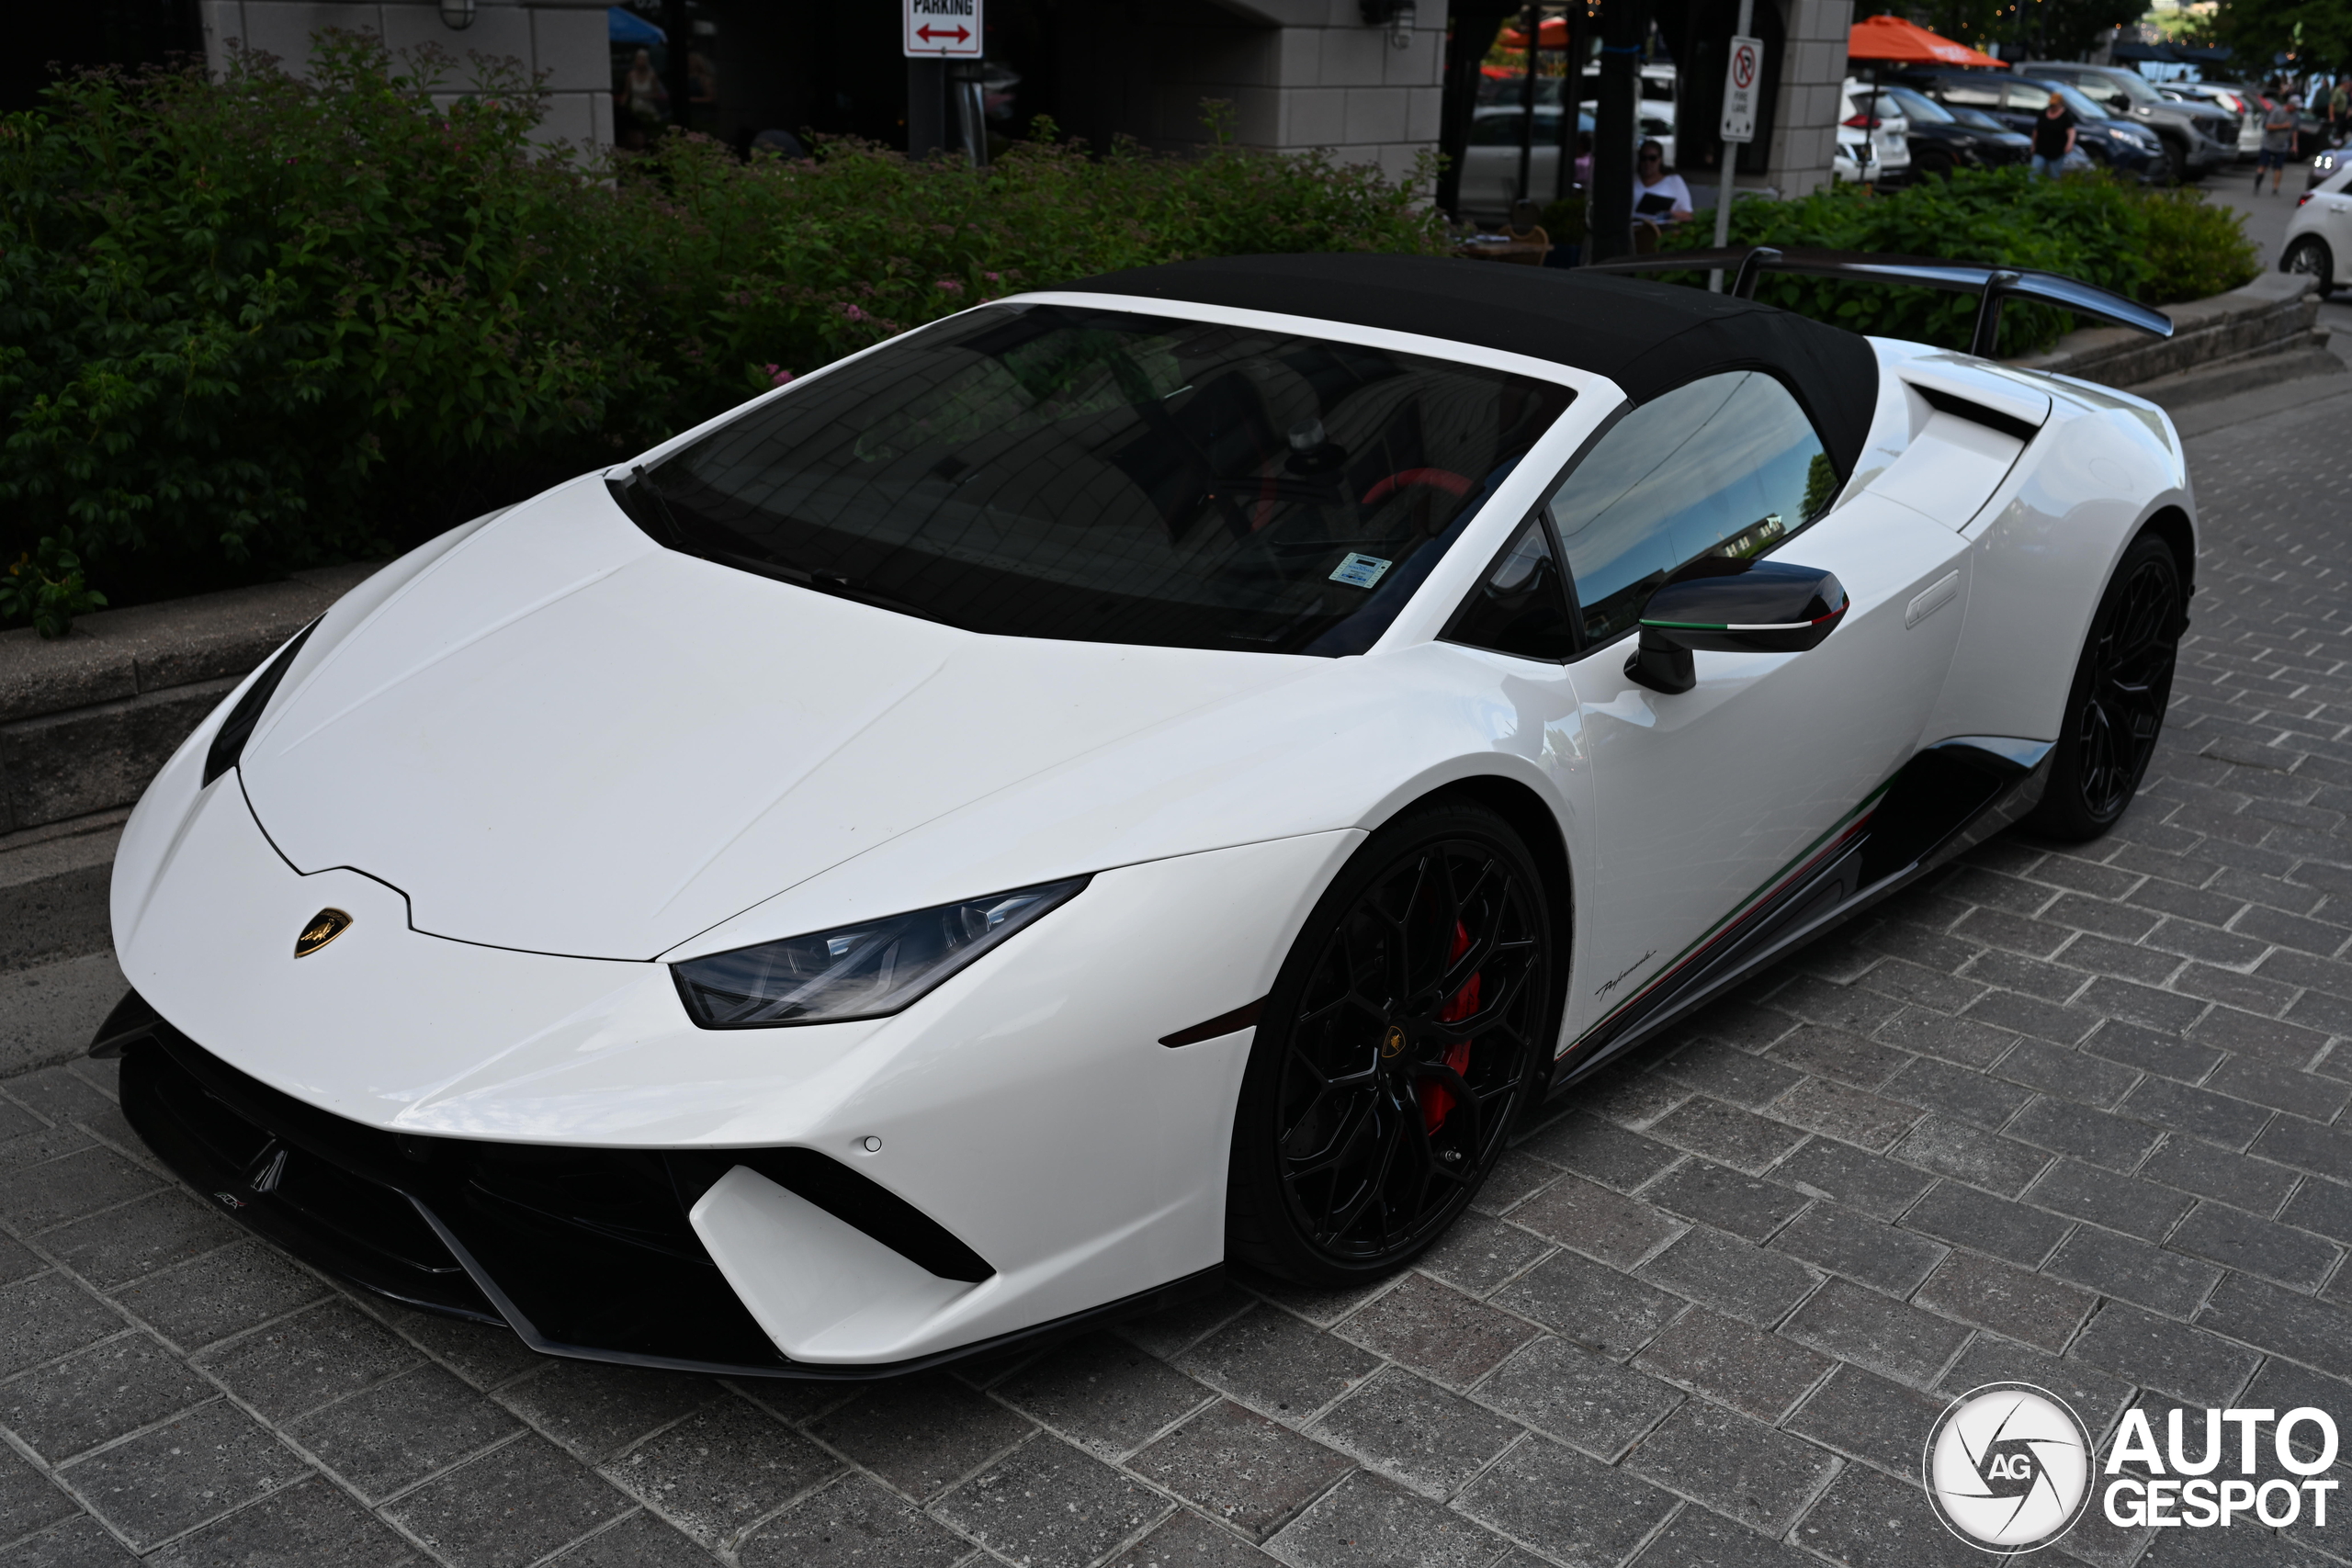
1743	79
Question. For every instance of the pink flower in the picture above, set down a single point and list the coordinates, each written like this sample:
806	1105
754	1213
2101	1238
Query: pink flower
993	277
778	377
948	286
853	312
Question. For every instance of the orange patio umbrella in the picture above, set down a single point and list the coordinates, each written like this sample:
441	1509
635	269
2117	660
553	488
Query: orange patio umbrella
1893	40
1553	34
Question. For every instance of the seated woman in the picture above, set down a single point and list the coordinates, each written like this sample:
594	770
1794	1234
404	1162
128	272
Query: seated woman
1658	196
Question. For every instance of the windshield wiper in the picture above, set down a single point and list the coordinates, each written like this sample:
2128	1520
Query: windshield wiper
640	479
837	583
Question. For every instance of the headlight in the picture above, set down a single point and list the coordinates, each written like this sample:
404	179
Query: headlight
867	970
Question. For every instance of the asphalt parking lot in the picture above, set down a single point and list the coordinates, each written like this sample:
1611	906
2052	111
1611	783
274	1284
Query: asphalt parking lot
2066	1116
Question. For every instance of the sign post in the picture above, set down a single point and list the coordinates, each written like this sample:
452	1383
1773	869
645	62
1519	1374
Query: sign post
1743	85
935	32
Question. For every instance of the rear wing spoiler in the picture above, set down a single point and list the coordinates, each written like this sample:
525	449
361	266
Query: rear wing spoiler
1991	285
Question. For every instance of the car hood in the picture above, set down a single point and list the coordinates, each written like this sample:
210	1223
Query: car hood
563	737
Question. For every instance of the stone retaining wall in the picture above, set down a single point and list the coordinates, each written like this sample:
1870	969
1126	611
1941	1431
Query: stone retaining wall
87	721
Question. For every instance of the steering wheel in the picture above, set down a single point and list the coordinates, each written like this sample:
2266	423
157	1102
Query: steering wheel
1446	480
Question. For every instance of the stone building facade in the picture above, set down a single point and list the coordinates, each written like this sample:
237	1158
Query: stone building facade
1298	74
564	39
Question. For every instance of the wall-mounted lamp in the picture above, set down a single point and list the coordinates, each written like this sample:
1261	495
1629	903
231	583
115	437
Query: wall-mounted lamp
457	14
1398	15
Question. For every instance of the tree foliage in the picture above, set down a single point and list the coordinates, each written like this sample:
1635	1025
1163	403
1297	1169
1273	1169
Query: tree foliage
2156	245
264	323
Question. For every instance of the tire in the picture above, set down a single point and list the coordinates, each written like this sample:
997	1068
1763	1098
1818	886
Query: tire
1934	163
2311	256
1368	1120
2176	162
2115	706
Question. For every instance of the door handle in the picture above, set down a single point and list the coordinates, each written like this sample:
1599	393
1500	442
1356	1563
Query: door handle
1940	593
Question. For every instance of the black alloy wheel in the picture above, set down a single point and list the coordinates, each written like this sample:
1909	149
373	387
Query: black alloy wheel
1409	1026
2114	707
2310	257
1932	163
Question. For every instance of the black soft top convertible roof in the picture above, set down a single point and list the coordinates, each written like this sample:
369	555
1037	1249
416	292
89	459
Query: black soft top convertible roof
1647	337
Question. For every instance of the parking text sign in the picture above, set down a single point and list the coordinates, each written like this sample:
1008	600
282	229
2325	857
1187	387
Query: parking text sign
943	29
1743	80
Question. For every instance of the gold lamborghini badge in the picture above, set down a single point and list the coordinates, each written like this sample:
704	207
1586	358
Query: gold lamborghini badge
322	929
1392	1042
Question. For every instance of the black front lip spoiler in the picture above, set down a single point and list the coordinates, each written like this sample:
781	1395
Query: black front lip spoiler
161	1063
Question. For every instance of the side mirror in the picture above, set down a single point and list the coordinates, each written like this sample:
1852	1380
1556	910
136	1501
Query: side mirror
1732	606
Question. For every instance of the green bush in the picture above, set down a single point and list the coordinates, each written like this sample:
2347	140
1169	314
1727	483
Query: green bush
2154	245
262	323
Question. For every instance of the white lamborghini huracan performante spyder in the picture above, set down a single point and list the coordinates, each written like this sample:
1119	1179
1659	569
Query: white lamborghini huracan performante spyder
1118	780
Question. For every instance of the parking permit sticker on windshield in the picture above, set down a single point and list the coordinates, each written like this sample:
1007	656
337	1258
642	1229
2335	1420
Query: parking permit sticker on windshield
1360	571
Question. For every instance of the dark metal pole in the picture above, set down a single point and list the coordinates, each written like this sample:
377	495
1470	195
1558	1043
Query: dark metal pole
1609	206
926	107
1571	92
681	28
1532	20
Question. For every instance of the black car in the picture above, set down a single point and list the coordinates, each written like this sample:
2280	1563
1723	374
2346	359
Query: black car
2117	145
1943	138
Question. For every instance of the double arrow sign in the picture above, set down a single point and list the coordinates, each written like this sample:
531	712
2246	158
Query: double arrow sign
942	28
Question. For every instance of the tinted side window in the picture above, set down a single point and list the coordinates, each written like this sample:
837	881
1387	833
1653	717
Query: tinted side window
1726	466
1986	97
1522	606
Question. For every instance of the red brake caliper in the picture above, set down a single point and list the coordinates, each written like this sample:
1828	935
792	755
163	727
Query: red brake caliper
1436	1099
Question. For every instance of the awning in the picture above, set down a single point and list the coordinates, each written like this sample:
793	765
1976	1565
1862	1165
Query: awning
1893	39
623	26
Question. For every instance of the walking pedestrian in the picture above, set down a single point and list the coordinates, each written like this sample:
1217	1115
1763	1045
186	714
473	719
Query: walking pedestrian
2339	111
2277	141
2053	137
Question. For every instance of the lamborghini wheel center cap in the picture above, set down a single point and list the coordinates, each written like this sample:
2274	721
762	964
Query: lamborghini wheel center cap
320	929
1392	1044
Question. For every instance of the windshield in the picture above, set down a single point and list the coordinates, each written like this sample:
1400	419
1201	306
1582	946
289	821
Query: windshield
2131	84
1975	119
1105	475
1914	107
2084	108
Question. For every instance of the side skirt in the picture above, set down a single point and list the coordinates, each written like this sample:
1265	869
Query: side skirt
1944	801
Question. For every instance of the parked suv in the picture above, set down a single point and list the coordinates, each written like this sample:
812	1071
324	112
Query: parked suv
2106	141
2196	137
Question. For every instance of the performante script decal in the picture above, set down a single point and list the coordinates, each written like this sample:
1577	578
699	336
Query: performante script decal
1609	985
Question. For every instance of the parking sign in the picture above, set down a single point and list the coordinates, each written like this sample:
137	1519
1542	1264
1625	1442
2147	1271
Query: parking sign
1743	80
943	29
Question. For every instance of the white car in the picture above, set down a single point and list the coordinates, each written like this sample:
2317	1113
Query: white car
1118	781
2319	236
1870	146
1490	160
2236	100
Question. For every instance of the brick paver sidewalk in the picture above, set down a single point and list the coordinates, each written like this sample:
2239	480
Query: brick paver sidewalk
2065	1116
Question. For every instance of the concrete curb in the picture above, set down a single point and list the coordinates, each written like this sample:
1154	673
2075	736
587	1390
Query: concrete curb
2234	376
